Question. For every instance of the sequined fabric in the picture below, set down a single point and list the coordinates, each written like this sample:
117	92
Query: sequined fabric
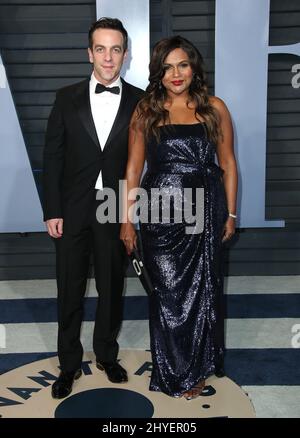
186	321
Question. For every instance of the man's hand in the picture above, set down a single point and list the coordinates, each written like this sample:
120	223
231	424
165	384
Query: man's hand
55	227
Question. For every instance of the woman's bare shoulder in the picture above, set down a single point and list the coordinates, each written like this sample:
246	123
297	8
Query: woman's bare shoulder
219	105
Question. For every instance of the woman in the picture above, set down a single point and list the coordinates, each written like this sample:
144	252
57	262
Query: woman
179	128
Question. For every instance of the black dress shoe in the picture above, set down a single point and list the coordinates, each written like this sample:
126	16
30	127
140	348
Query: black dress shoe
62	387
114	371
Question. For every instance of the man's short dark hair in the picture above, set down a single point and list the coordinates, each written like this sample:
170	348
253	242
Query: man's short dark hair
108	23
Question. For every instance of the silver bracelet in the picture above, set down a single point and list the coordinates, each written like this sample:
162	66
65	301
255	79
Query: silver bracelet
232	215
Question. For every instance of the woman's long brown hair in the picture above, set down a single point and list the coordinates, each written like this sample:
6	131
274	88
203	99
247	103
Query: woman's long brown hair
151	109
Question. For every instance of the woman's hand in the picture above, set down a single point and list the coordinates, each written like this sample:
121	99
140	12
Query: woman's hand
128	236
229	229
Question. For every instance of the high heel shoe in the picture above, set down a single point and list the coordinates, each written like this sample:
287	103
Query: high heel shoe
195	392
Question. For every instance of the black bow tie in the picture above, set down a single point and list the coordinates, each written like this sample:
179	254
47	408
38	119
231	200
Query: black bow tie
100	88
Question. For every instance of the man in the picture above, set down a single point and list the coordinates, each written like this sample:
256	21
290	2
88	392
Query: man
86	150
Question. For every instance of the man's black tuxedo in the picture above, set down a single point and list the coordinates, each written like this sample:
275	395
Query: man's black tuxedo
73	157
72	161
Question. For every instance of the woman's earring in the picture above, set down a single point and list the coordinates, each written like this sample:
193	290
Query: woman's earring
160	87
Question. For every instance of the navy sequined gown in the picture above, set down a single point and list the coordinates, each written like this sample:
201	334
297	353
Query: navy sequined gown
186	317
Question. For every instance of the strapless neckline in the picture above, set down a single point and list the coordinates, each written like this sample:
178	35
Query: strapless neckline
181	124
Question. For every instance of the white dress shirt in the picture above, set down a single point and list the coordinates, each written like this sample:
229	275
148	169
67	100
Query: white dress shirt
104	108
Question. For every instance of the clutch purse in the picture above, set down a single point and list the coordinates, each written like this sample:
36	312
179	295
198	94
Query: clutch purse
139	267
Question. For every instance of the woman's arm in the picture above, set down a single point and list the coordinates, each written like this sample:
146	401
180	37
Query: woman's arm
134	169
226	159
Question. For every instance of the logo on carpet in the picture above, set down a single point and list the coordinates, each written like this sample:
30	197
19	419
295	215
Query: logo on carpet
26	393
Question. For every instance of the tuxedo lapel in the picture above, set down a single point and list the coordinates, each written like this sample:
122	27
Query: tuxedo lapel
121	118
83	104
